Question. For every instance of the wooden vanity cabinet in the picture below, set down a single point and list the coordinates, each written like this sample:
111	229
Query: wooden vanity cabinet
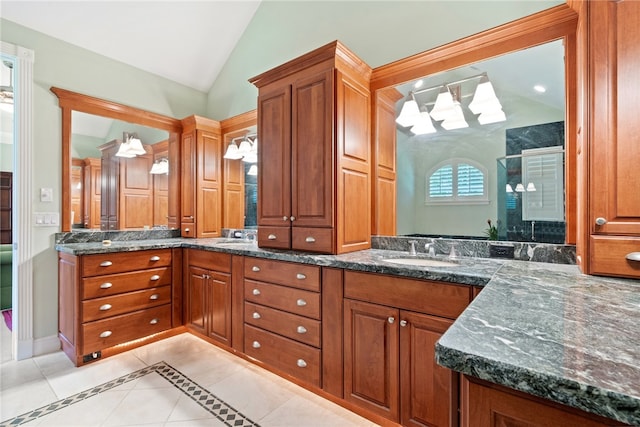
107	300
611	140
92	189
201	168
313	127
283	317
389	347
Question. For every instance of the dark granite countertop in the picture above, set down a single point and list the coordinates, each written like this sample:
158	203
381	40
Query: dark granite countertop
545	329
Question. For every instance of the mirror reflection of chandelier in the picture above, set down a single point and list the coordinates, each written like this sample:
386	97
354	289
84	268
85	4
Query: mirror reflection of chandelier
447	108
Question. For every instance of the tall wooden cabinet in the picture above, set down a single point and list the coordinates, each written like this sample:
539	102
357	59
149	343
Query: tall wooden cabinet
201	166
92	193
77	179
313	127
611	147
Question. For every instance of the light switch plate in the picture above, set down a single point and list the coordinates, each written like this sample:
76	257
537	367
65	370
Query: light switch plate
46	194
46	219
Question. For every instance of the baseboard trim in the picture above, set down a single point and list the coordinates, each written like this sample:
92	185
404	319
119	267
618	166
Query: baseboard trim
46	345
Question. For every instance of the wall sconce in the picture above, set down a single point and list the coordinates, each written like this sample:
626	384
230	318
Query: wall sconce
520	188
253	170
160	167
130	146
247	150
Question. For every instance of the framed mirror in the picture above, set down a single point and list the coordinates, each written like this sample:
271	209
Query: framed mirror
122	123
455	174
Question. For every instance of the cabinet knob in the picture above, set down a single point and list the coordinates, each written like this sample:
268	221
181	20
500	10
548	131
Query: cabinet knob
255	344
301	363
105	307
155	277
292	218
391	319
633	256
106	285
186	230
256	315
300	276
403	323
255	268
189	217
310	239
271	237
256	292
154	258
105	334
301	330
301	303
601	221
154	321
154	297
106	264
284	218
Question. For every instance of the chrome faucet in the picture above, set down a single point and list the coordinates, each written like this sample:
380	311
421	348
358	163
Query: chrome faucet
412	247
430	248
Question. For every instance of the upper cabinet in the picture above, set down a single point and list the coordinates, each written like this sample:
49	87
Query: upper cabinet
201	168
313	126
610	140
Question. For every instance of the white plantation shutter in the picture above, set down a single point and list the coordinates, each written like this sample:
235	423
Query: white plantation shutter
457	181
441	182
543	168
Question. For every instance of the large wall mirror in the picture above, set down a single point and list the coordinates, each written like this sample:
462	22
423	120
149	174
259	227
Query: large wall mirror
485	131
110	188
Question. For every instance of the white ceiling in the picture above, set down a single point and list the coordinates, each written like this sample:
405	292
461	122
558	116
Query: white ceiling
184	41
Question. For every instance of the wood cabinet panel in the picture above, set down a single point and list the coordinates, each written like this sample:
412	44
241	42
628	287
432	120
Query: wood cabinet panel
609	255
98	286
92	175
274	237
284	273
103	307
312	239
293	300
121	262
292	326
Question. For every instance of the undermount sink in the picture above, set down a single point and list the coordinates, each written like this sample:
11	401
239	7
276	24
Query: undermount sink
421	262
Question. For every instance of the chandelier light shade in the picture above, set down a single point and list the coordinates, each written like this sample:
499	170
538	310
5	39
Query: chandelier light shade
509	188
246	150
130	146
484	99
245	147
410	112
253	170
423	125
232	152
531	186
444	105
160	167
519	188
491	117
455	119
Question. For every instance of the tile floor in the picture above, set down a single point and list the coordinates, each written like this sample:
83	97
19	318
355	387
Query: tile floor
180	381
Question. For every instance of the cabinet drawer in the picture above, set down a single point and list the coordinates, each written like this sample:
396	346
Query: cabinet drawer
284	298
424	296
100	308
283	273
609	256
290	325
217	261
312	239
127	327
100	286
274	237
291	357
100	264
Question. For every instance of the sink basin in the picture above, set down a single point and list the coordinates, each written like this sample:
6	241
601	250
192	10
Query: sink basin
421	262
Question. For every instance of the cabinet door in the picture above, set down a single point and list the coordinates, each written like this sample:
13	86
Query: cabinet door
371	357
615	133
187	194
311	150
220	307
196	316
274	179
209	193
428	392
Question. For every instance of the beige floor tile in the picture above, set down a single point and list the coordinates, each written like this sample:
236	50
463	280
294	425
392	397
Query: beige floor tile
90	412
171	349
54	363
196	423
28	396
187	409
143	407
17	372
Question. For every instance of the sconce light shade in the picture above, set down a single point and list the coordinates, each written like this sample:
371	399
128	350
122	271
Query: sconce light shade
409	113
509	188
160	167
245	147
531	186
135	147
423	125
232	152
519	188
484	99
125	151
444	105
253	170
250	157
455	120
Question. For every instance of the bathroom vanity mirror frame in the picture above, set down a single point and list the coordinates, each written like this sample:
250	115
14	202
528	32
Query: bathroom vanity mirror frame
557	23
71	101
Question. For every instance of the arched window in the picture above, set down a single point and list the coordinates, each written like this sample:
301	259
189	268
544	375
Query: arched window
457	181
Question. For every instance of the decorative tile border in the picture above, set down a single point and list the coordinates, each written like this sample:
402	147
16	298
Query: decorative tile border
212	404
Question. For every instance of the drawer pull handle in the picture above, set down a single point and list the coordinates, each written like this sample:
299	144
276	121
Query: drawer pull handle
154	297
601	221
301	302
255	344
154	321
106	285
106	264
187	230
154	258
155	277
256	315
391	319
633	256
403	323
255	268
105	307
271	237
301	363
256	292
310	239
300	276
301	330
105	334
